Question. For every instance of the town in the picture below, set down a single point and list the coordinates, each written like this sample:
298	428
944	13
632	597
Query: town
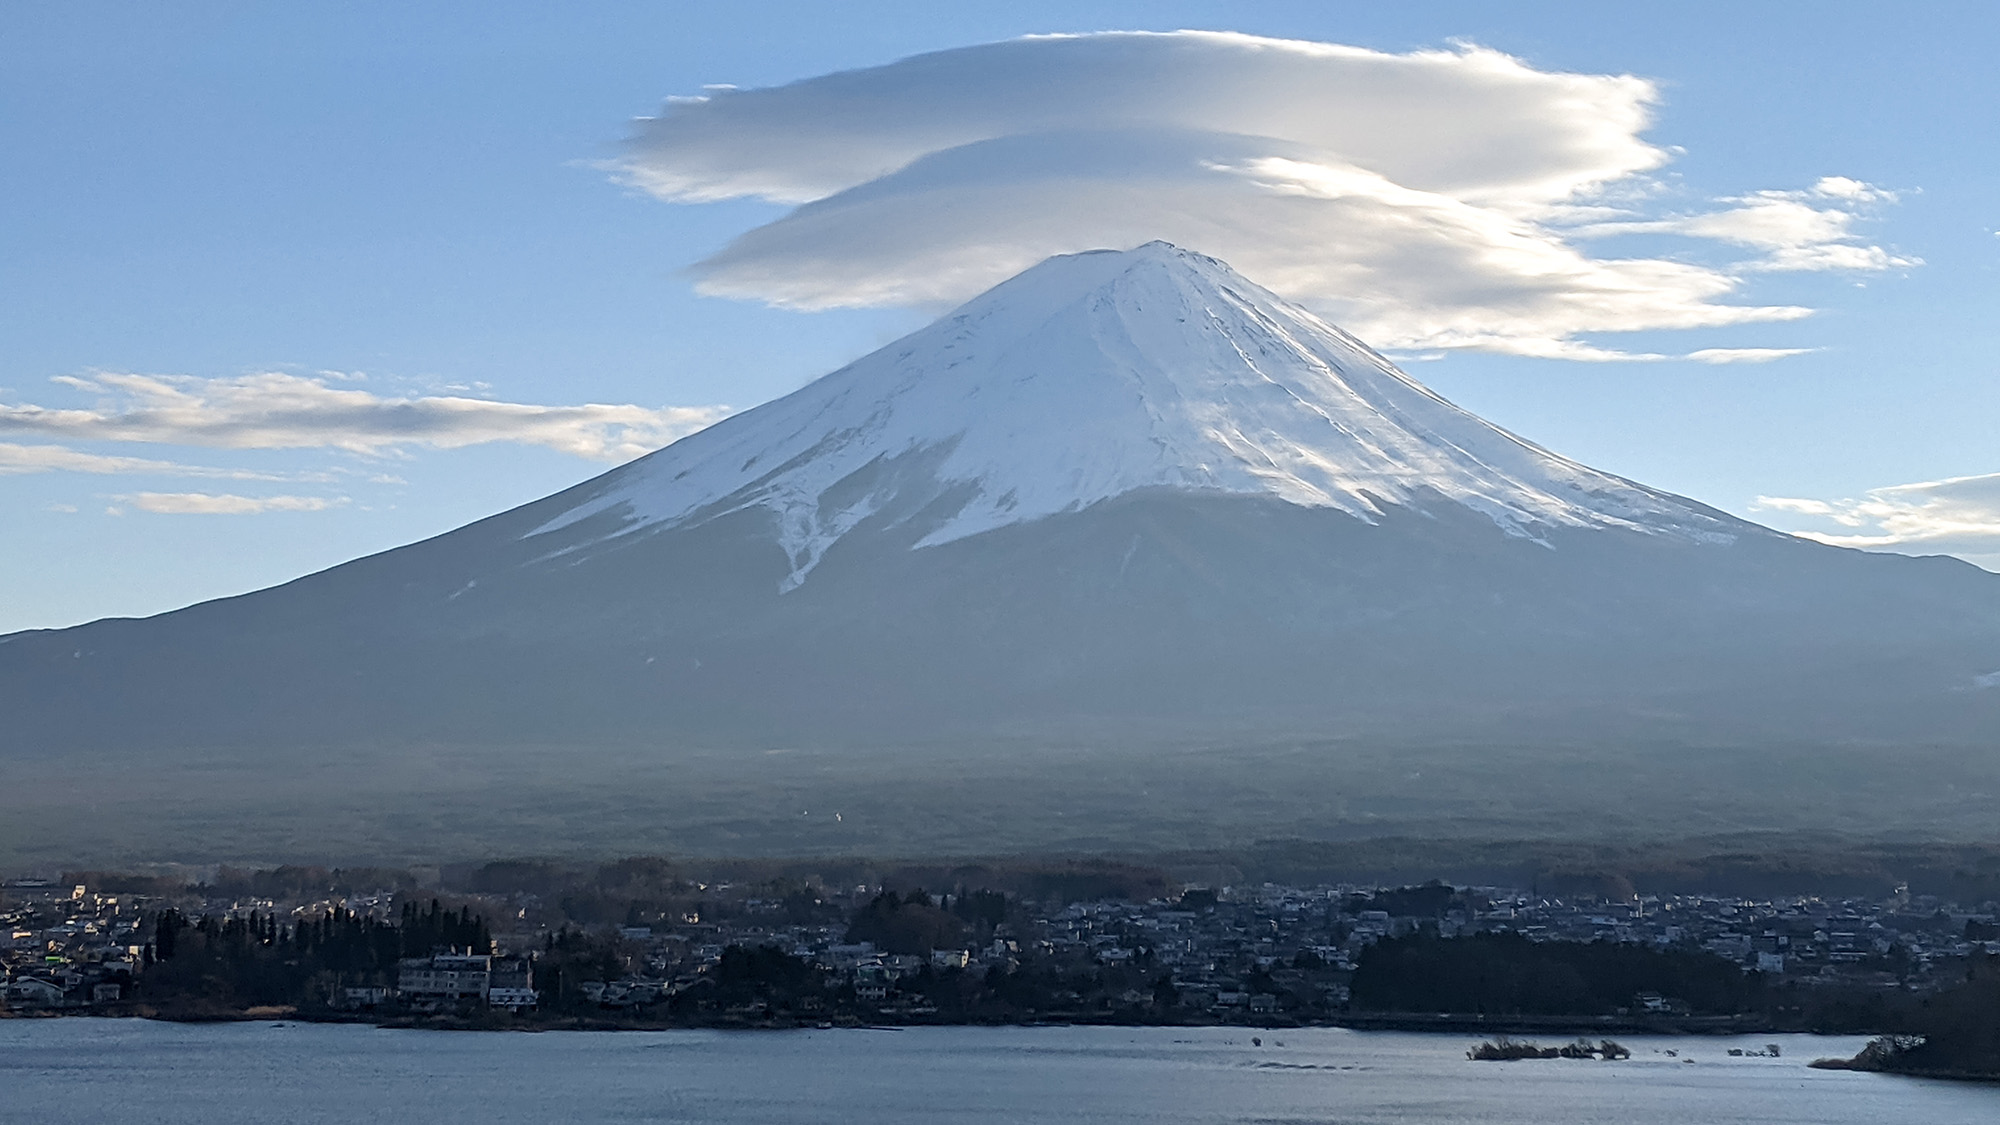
650	946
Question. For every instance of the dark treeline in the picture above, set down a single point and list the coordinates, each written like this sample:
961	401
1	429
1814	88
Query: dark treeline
284	882
1955	1033
1757	866
1428	901
252	960
647	890
913	923
604	892
295	882
1506	974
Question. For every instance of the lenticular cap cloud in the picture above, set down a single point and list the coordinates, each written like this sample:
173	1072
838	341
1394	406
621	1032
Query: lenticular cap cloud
1399	267
1471	122
1419	198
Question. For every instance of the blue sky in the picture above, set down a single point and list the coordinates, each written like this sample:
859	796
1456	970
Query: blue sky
367	212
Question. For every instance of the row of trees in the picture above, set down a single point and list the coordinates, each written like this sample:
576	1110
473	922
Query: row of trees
1954	1033
240	961
1505	973
916	923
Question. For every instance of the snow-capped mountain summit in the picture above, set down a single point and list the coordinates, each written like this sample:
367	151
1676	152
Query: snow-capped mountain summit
1098	374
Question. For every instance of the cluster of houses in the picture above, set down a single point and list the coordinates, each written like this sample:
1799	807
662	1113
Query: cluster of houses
1254	950
1215	946
64	947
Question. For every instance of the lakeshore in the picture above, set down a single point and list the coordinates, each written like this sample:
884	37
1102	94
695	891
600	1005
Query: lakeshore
1439	1023
645	945
75	1070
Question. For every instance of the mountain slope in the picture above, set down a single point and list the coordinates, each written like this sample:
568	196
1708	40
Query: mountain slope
1127	502
1093	375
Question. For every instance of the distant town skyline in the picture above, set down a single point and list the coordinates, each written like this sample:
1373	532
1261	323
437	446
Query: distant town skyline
286	287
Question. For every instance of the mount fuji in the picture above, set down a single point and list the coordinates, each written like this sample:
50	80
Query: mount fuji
1100	374
1127	498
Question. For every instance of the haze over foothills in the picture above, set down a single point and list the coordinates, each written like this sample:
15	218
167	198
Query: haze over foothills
285	288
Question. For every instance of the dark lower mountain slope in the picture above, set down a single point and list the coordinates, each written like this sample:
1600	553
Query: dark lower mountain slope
1152	613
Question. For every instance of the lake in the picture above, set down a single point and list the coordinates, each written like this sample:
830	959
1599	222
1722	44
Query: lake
57	1071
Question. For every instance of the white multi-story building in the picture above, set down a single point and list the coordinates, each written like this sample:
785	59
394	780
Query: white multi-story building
444	977
511	984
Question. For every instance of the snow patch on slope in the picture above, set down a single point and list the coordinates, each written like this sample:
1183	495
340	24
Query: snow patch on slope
1093	375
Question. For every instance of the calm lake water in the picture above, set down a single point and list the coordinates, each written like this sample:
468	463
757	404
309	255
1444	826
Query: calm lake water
87	1070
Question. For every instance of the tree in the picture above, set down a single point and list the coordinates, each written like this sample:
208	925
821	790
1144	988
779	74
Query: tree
909	924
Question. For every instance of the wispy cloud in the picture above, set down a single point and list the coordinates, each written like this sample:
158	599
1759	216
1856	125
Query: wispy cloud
1959	516
222	504
1811	230
15	459
285	411
1745	355
1424	200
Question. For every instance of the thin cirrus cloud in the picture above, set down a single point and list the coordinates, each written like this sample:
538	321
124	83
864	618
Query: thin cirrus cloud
17	459
1435	199
221	504
1796	230
1744	355
1959	516
285	411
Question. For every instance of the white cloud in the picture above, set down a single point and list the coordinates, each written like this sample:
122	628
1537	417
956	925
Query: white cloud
16	459
1959	516
1532	134
209	504
1422	200
1802	506
1809	230
1745	355
1840	187
282	411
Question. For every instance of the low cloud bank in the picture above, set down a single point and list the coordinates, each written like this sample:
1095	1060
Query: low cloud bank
1958	516
284	411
